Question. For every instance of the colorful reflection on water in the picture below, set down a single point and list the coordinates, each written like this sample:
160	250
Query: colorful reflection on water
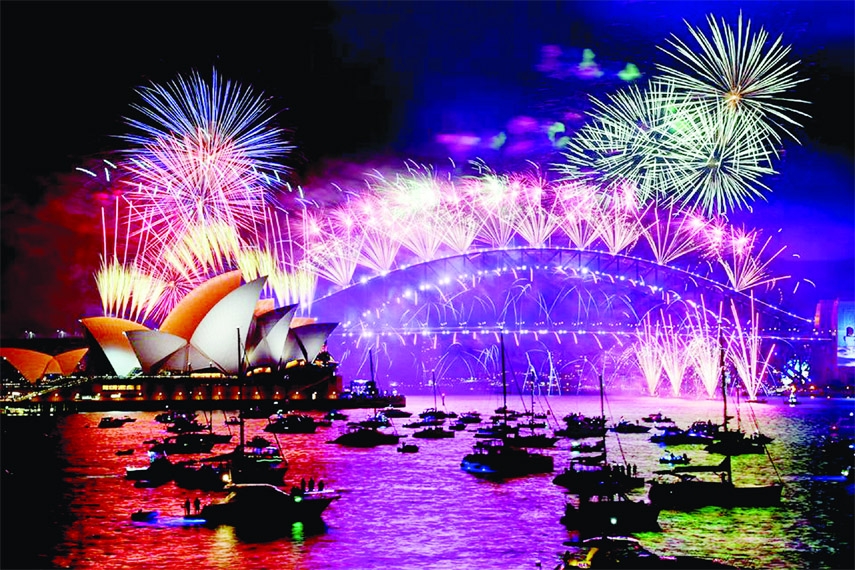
419	510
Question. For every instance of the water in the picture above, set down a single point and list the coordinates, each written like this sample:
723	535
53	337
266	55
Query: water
420	510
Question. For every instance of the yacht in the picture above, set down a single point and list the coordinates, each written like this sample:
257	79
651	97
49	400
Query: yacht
264	505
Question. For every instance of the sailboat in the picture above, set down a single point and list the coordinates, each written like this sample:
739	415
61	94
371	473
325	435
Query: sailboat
688	492
256	461
435	431
367	434
533	439
497	458
590	478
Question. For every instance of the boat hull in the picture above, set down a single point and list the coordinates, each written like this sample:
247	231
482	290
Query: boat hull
688	495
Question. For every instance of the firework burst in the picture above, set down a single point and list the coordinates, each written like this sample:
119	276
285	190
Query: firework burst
199	154
734	71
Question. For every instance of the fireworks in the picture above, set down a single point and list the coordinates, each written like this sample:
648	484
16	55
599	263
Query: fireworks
199	156
746	353
702	137
734	72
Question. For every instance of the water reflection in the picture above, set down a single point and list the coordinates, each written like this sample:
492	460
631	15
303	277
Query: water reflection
422	511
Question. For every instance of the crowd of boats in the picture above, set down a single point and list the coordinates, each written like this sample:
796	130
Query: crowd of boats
507	444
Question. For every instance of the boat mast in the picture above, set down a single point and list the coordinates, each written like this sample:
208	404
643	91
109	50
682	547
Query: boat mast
240	391
504	382
724	401
603	415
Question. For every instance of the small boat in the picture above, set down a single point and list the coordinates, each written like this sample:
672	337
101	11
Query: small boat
144	516
361	436
232	421
470	418
457	425
264	505
658	418
375	421
493	458
392	412
625	426
335	415
290	423
171	416
496	430
610	514
675	459
110	422
184	443
159	471
672	435
578	426
433	432
627	552
408	448
185	425
125	452
532	440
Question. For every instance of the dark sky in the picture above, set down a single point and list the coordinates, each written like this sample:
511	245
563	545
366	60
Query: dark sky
357	80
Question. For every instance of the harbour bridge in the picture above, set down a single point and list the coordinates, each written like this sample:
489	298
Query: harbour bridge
564	313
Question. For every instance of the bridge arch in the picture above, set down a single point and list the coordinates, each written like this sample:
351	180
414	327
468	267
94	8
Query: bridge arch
556	303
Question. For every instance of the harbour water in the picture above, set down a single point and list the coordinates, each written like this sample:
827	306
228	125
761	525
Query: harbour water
419	510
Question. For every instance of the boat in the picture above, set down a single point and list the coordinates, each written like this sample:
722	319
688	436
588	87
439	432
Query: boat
493	458
628	552
471	417
144	516
185	425
260	504
457	425
335	415
171	416
672	435
184	443
658	418
738	443
408	448
579	426
290	423
378	420
531	440
392	412
232	421
683	490
427	421
610	514
588	476
361	436
433	432
496	430
110	422
159	470
672	459
688	492
625	426
498	459
125	451
204	477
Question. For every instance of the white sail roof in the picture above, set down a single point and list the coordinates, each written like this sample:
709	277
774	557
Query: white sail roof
226	326
268	337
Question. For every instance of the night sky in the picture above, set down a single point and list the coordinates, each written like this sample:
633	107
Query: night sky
361	82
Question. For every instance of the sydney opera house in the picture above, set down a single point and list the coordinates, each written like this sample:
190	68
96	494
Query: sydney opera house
218	340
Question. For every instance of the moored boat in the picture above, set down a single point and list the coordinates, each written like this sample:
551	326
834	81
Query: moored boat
361	436
265	505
